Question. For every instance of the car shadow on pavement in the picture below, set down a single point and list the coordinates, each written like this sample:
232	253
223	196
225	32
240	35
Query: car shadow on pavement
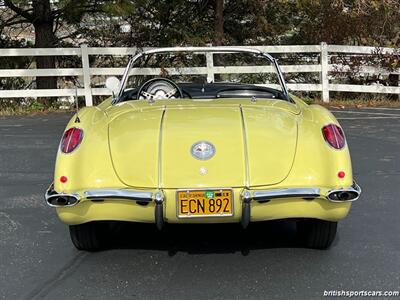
204	238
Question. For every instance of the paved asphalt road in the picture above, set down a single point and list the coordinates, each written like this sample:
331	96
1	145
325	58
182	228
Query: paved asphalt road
37	259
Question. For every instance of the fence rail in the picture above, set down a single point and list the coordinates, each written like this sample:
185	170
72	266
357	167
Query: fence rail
324	68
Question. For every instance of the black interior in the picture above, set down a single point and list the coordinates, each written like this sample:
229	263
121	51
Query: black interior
217	90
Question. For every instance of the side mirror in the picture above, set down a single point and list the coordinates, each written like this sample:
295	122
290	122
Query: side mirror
113	84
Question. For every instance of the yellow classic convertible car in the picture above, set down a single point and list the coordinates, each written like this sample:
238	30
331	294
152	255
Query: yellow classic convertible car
201	150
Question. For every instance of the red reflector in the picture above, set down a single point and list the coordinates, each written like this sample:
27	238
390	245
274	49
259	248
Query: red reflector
71	139
341	174
63	179
334	135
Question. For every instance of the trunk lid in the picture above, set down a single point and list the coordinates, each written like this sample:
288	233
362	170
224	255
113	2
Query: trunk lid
255	145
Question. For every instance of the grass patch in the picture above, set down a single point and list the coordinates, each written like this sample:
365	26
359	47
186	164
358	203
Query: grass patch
347	100
26	107
21	111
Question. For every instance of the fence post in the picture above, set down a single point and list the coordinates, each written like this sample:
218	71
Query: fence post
324	72
210	66
86	75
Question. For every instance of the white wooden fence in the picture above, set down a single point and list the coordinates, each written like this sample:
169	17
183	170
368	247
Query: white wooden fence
323	68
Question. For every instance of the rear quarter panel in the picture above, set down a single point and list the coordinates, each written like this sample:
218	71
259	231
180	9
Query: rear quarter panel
89	165
316	163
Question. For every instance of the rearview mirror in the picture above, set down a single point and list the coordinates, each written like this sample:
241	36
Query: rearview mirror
112	83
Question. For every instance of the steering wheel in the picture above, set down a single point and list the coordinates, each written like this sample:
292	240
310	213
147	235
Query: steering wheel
159	88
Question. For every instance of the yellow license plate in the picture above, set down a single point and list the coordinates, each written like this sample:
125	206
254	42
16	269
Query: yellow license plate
205	203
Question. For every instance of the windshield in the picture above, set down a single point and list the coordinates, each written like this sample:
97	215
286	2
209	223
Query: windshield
202	73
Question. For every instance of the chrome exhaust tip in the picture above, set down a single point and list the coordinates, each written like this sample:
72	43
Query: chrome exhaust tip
53	199
60	200
345	195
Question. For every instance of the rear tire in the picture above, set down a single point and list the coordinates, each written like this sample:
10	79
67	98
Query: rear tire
88	236
316	234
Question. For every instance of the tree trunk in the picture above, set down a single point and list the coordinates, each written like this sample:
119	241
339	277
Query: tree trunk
219	22
44	38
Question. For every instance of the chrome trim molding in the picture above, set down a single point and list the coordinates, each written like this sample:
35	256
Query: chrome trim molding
349	194
119	194
285	193
246	154
68	200
160	137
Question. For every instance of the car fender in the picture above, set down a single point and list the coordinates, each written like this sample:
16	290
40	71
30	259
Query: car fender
89	165
316	163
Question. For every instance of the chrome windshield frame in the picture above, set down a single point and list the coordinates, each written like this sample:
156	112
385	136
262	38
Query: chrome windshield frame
220	49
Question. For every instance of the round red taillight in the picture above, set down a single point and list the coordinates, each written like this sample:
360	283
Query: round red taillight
334	136
341	174
63	179
71	139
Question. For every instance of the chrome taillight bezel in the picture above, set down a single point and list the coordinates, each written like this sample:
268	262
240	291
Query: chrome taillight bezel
335	130
62	147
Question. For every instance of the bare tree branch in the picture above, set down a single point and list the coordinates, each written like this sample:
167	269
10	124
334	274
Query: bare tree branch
18	10
14	20
17	22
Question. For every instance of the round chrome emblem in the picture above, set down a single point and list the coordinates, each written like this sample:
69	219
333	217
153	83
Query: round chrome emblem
203	150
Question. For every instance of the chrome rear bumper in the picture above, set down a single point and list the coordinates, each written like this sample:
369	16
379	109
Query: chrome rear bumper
339	195
247	196
119	194
156	196
55	199
351	193
266	195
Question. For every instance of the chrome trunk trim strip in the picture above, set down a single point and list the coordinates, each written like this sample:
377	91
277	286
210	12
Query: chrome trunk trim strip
159	167
246	155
